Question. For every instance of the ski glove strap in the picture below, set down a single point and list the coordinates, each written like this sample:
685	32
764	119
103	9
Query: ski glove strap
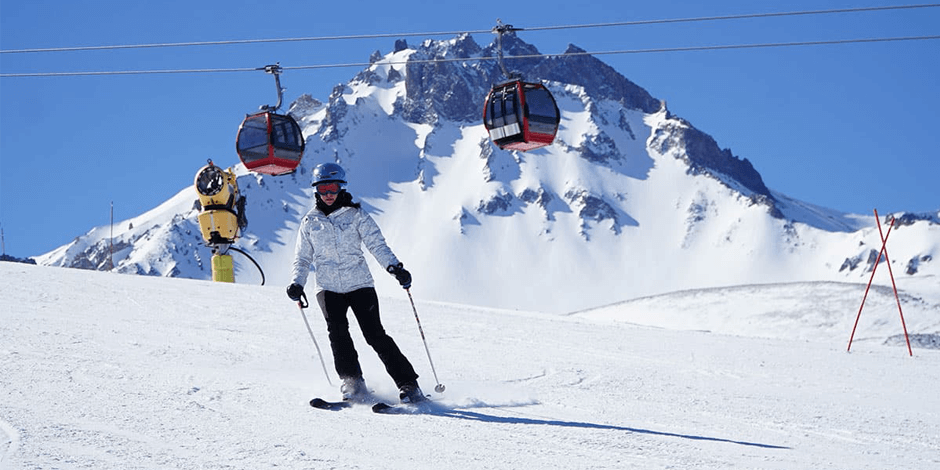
400	273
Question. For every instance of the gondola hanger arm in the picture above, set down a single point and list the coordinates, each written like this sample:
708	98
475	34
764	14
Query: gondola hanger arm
274	69
499	30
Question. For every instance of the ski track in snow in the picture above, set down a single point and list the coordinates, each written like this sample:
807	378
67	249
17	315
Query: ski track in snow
10	442
112	371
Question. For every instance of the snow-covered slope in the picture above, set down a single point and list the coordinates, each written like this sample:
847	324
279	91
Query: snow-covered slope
110	371
630	201
816	311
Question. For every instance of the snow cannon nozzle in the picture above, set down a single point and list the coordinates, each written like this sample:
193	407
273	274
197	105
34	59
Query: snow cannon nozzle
221	206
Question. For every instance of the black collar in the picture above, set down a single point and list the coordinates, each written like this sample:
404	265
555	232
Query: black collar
343	199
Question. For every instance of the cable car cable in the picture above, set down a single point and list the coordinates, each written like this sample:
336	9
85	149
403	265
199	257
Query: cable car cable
234	41
451	33
732	17
127	72
479	59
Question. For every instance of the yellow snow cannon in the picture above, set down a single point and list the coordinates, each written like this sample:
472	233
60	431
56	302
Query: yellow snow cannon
222	210
222	215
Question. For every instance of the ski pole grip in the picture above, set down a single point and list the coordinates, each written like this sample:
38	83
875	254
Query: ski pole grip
302	303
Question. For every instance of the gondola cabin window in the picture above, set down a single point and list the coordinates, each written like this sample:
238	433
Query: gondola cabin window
253	139
541	111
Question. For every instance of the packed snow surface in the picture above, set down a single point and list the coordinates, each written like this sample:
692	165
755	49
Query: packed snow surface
109	371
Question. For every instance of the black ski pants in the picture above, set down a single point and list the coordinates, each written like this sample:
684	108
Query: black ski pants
365	306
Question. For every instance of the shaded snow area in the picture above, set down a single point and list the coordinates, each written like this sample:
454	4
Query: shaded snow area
112	371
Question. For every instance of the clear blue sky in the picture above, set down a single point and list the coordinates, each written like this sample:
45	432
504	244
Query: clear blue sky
851	127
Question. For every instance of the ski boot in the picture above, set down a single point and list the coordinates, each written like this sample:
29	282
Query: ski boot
410	393
354	389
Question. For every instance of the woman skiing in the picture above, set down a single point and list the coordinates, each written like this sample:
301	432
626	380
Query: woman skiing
330	243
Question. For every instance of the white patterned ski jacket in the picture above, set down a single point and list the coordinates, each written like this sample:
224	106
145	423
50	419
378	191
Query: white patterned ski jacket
331	246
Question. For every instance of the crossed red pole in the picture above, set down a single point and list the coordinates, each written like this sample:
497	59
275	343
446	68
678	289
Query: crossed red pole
884	251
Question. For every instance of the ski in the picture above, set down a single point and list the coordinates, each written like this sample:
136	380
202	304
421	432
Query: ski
385	408
377	407
403	409
322	404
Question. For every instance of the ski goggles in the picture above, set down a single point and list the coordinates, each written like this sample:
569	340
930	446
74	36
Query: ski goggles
328	188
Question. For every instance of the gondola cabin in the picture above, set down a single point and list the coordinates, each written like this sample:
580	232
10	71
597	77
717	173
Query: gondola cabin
270	143
521	116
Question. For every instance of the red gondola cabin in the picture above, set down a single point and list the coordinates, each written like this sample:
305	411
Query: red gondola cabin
521	116
270	143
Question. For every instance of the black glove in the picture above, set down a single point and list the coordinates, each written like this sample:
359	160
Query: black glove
400	273
295	292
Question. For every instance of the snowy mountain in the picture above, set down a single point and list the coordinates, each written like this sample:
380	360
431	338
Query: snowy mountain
630	201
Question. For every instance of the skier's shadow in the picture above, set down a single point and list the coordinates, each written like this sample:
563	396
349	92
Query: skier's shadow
477	416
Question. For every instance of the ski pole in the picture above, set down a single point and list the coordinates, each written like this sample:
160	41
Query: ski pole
439	388
302	304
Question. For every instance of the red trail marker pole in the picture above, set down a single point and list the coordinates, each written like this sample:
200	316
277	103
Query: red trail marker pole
893	284
884	251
